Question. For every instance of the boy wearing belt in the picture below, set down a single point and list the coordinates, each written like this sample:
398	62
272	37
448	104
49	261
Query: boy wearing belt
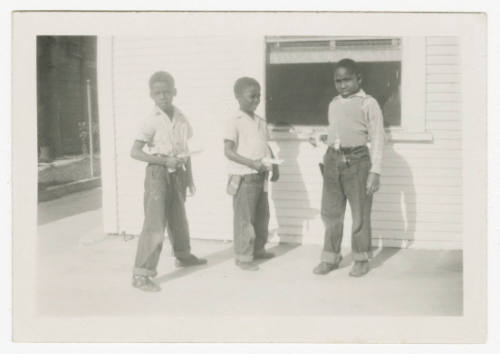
351	172
166	132
245	145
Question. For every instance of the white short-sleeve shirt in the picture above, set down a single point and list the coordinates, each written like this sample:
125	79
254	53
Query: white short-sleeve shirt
165	136
250	136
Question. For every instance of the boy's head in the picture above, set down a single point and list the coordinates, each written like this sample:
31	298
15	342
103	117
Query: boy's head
247	92
162	89
347	77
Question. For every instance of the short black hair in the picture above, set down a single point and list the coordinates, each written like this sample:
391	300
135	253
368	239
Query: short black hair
161	76
242	83
348	64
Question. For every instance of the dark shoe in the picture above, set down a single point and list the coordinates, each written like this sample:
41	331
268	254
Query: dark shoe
143	283
247	265
325	267
264	255
190	261
359	269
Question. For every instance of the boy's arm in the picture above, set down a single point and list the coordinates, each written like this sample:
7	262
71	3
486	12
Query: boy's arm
231	154
189	171
275	168
375	134
137	153
377	139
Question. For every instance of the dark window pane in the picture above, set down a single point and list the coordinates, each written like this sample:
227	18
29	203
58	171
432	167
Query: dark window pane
300	93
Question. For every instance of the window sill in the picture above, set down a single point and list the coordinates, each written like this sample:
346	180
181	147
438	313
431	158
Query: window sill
303	133
402	136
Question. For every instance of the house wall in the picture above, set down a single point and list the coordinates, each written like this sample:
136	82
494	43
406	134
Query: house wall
420	199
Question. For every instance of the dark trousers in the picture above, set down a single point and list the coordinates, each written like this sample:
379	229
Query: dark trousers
344	179
164	197
251	217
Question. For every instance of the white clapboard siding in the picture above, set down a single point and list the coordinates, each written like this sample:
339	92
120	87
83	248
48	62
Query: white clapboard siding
420	201
205	70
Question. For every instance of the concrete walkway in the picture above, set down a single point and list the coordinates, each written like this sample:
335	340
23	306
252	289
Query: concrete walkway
83	272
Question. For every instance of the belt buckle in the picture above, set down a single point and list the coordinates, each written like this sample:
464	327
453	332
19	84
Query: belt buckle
336	145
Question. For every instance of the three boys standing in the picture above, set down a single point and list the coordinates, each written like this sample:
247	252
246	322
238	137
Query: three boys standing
351	173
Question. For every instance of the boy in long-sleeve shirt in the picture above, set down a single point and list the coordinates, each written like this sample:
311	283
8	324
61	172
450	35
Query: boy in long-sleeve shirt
351	172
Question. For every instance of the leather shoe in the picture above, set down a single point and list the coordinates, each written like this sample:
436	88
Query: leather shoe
325	267
143	283
247	265
190	261
359	269
264	255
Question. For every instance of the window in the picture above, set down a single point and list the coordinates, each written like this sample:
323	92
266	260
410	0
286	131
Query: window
299	79
299	94
299	76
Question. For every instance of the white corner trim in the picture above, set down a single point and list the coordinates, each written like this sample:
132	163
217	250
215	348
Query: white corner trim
107	132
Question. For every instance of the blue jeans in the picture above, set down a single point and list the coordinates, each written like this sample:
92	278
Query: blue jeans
164	197
344	179
251	217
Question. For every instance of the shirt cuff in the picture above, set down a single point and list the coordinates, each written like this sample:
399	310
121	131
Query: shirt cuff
376	167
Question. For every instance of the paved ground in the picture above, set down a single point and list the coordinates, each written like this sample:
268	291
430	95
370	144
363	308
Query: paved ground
82	272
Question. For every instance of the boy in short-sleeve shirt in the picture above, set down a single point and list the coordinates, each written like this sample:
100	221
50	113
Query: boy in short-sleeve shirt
166	132
245	146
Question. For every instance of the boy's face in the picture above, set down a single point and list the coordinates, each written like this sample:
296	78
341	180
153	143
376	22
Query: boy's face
346	82
249	98
163	94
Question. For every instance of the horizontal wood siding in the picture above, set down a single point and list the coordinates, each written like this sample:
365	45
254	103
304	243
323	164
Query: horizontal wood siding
205	69
420	199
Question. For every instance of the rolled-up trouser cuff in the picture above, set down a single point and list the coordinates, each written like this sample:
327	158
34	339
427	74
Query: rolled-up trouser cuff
330	257
144	272
361	256
244	258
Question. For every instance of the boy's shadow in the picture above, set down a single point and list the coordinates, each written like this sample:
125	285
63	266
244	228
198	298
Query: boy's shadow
213	260
400	203
221	257
279	250
394	203
294	211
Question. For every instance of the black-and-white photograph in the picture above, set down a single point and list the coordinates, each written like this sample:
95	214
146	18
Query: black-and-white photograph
283	172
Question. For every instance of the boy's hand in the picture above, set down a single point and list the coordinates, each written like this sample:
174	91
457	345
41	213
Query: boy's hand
313	141
275	173
191	190
181	160
373	183
259	166
171	162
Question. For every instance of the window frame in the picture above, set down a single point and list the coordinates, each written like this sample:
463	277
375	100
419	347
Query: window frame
413	91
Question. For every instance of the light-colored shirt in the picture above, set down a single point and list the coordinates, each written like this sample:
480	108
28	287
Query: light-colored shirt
250	136
165	136
357	120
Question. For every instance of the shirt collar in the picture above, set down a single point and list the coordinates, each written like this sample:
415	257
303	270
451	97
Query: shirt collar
240	114
157	111
360	93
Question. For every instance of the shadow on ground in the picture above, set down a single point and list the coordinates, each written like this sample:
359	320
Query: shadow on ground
220	257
